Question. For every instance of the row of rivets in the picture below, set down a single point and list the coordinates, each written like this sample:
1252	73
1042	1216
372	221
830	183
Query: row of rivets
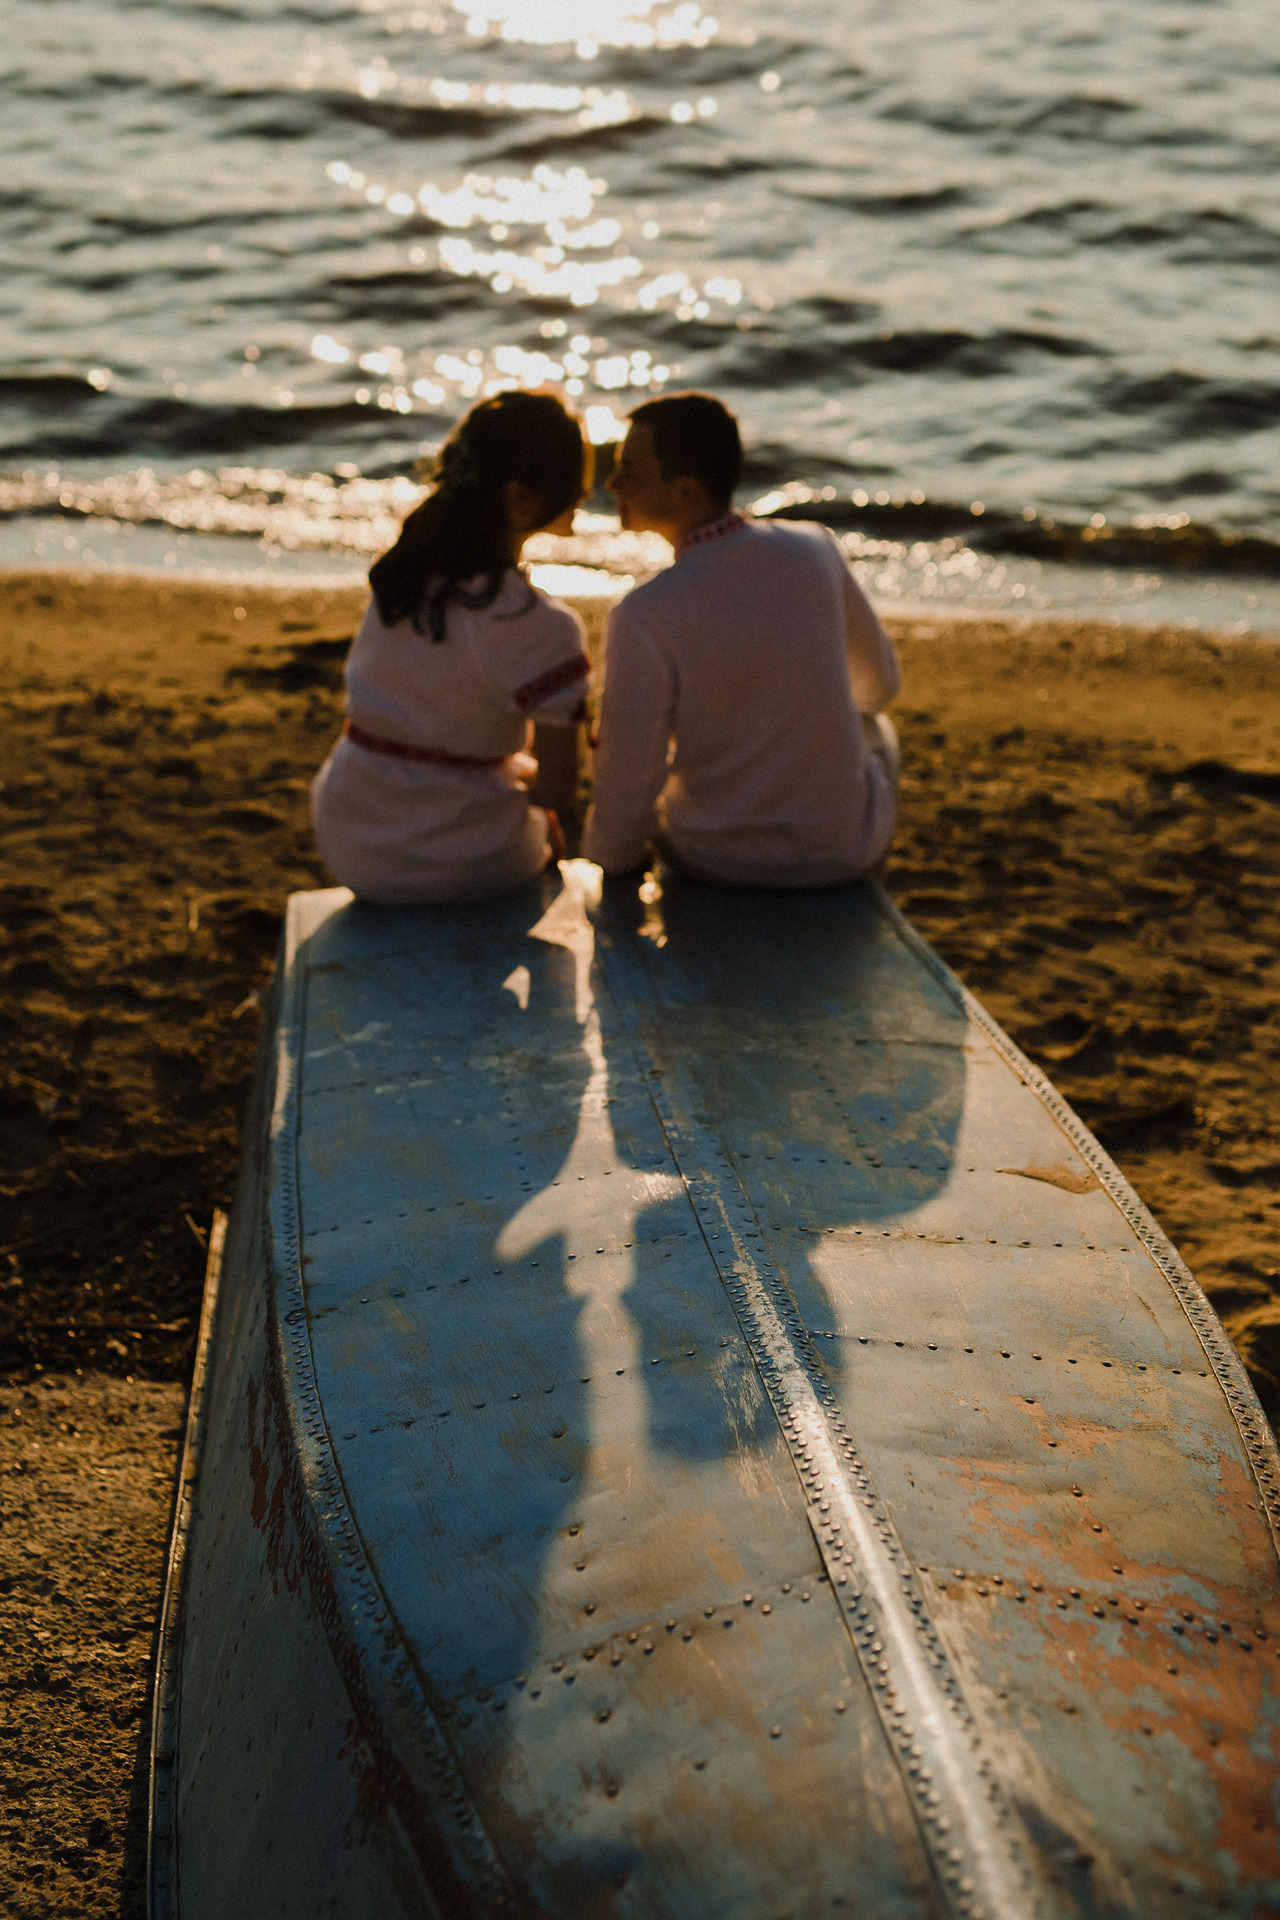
1004	1353
984	1582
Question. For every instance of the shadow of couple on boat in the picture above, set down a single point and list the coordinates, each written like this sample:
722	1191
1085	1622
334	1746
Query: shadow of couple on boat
591	1106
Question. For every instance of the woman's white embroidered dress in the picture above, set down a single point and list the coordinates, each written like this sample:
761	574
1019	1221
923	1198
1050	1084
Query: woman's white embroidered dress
404	832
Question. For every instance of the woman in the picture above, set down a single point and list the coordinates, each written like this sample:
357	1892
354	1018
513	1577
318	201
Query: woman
459	659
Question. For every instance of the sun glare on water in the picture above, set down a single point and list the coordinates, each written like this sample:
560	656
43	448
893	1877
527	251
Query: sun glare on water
589	25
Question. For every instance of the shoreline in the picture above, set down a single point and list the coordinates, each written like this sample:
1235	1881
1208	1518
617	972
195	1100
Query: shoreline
1075	839
914	579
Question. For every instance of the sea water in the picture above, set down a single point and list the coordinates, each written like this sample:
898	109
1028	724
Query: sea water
994	289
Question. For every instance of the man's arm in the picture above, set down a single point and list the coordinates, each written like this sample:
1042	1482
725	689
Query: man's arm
637	719
874	672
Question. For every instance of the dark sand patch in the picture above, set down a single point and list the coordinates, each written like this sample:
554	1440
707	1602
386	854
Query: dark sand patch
86	1468
1113	903
1116	904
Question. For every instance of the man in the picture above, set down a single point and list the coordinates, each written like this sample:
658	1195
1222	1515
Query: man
738	726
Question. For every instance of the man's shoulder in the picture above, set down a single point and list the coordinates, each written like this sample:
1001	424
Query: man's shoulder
788	544
768	541
798	536
644	603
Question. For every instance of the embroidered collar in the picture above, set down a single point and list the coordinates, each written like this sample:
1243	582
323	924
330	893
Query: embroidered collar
713	530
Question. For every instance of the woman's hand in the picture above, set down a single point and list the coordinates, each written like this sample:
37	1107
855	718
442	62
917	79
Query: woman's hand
556	785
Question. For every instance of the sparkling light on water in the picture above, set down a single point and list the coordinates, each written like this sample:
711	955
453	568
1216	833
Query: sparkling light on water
589	25
922	252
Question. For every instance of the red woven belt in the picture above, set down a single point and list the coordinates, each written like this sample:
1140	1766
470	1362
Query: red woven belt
395	750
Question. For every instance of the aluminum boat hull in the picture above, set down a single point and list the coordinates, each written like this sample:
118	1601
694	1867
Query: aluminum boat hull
692	1425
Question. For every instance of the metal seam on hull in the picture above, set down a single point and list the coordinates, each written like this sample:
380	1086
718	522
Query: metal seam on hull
399	1690
1251	1422
911	1681
163	1886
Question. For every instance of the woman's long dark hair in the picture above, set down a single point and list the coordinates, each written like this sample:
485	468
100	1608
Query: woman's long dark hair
460	529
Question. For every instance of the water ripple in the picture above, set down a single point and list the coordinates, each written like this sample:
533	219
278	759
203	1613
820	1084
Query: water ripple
1025	259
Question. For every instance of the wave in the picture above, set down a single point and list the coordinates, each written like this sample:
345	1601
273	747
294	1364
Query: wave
1192	235
1192	406
1066	116
360	514
758	360
886	206
59	417
1166	542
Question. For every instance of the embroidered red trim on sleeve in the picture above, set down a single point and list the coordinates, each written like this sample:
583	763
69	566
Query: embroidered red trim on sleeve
544	686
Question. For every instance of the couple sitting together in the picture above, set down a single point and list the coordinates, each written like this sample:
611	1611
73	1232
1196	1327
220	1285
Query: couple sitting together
741	735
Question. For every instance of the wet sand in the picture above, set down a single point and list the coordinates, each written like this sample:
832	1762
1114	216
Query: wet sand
1063	843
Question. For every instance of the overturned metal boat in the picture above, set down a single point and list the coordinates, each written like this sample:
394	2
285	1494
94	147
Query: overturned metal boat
692	1425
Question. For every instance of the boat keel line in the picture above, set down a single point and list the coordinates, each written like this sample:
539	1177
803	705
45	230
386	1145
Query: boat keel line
969	1831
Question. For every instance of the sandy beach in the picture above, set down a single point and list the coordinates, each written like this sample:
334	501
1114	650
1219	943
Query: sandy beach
1090	835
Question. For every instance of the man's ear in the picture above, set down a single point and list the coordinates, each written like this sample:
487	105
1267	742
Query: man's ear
692	495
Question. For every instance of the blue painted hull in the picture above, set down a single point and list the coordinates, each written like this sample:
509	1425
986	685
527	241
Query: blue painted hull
695	1427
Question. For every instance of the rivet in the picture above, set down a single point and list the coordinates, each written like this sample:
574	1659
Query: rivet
590	1607
747	1598
775	1733
671	1626
707	1612
603	1714
840	1706
688	1633
766	1608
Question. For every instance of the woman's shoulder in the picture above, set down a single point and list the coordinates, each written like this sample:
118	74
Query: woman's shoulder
522	605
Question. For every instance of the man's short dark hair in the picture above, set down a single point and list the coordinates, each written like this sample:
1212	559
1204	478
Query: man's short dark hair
695	436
